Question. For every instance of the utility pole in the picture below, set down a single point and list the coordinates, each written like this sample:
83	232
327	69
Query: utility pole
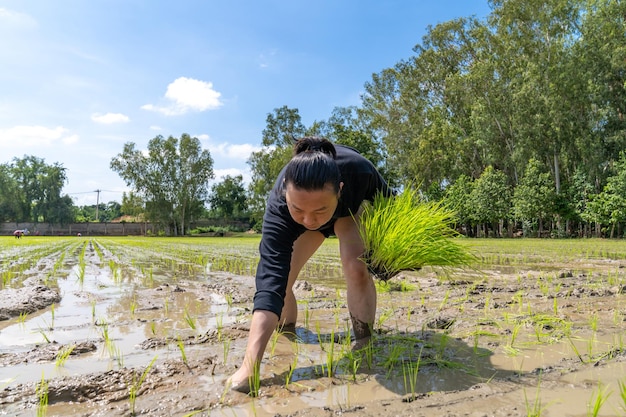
97	204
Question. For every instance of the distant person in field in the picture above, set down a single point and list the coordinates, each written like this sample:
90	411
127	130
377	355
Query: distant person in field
18	234
319	193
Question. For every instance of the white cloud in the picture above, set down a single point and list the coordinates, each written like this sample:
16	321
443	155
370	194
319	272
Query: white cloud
154	127
35	136
227	150
185	95
16	19
233	172
109	118
70	140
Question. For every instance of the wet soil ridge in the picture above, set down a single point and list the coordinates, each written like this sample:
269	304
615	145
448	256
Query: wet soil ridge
32	296
157	335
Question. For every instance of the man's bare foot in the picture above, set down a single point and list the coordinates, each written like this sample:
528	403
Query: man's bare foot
361	343
239	386
287	329
239	381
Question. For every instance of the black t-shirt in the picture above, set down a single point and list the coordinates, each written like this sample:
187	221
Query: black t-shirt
361	181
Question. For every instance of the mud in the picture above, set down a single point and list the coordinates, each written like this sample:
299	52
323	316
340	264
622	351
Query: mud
499	341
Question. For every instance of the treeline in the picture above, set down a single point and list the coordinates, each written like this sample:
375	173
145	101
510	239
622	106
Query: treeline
517	121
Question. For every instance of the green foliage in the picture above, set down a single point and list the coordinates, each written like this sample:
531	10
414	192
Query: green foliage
490	197
283	126
30	191
228	198
172	178
403	233
535	197
609	206
457	196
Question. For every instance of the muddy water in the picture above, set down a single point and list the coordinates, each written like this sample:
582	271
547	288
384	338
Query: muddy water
496	342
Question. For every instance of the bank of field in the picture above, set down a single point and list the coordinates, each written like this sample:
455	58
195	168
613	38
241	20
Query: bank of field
154	326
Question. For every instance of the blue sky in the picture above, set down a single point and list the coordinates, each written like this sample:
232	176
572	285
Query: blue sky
79	78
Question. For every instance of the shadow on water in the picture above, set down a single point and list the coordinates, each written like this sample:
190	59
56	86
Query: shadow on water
403	364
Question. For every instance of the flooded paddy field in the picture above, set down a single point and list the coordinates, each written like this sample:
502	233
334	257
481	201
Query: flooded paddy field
154	326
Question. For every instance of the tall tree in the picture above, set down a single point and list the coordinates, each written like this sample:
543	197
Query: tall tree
39	187
534	198
9	194
228	197
132	204
490	200
172	178
283	127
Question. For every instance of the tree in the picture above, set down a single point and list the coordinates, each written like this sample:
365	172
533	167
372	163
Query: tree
132	204
39	186
283	127
172	178
490	200
458	198
350	127
609	206
9	194
534	198
228	198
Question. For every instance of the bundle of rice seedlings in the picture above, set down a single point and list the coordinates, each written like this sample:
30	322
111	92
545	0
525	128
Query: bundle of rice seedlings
403	233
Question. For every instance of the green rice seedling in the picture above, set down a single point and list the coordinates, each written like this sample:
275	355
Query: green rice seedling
81	272
510	346
307	315
393	357
292	366
63	355
116	353
353	359
597	401
45	336
41	391
196	412
384	316
409	373
7	277
181	347
535	409
576	351
403	233
153	328
105	332
226	345
22	318
444	302
622	393
318	330
331	360
274	341
133	306
555	306
136	386
254	381
593	322
190	320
